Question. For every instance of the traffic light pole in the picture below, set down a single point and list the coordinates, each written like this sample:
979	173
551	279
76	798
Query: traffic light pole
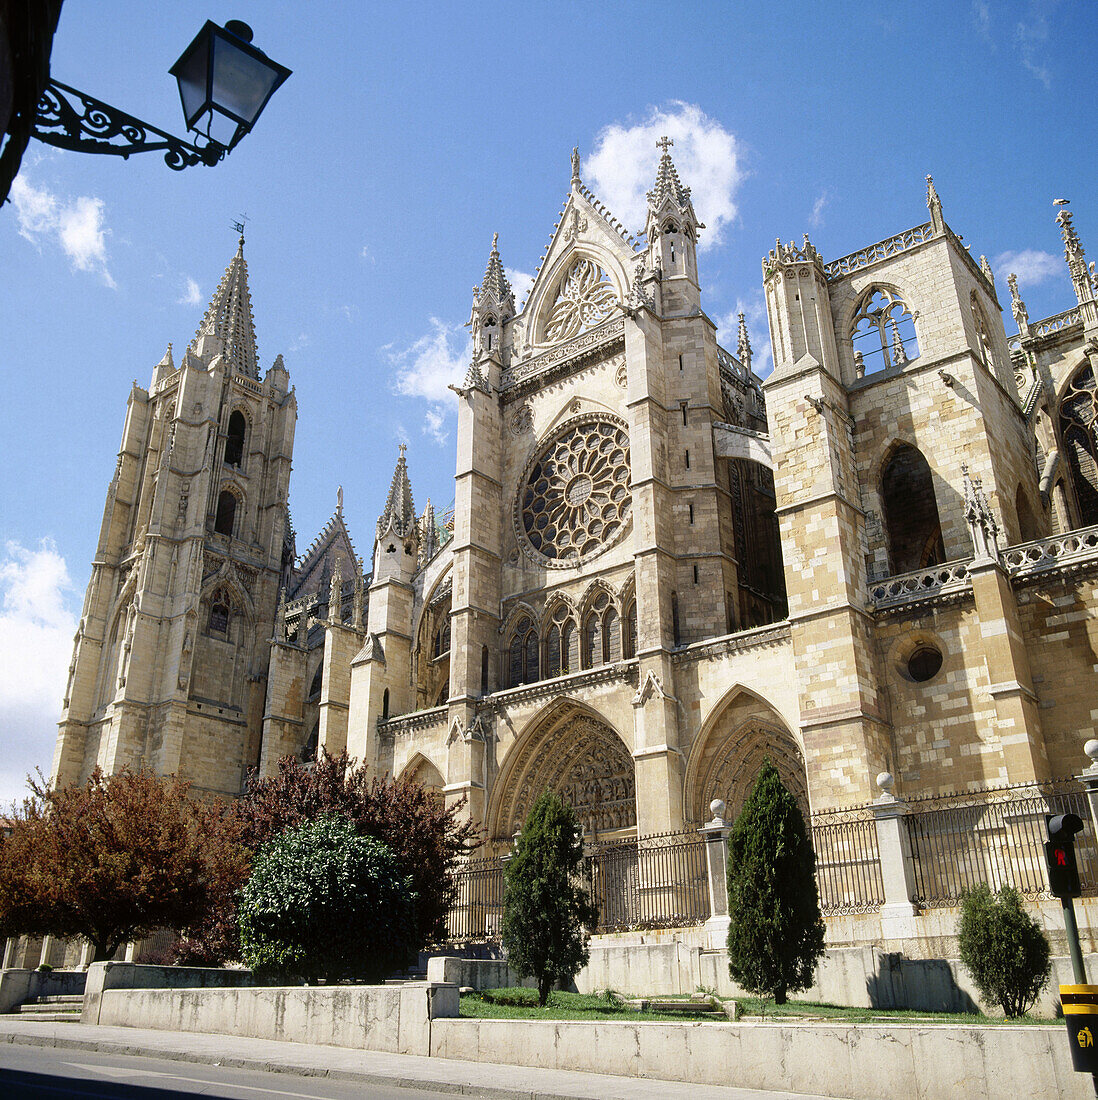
1072	930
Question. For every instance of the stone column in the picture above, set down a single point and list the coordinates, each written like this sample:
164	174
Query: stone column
716	858
897	870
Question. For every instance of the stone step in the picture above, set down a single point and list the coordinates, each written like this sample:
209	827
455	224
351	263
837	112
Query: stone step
58	999
646	1005
51	1017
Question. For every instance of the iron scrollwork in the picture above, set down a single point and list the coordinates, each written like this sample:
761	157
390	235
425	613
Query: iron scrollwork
72	120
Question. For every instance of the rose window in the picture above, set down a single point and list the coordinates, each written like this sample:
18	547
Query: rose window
585	297
575	500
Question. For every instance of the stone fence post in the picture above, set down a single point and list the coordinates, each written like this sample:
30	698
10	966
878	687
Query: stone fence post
1089	779
897	870
716	833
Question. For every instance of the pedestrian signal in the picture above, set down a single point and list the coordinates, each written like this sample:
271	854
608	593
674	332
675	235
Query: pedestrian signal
1063	872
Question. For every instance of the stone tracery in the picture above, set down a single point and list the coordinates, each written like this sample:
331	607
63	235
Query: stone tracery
575	499
585	297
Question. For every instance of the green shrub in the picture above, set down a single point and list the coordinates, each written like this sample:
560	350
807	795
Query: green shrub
325	902
546	911
1003	948
776	932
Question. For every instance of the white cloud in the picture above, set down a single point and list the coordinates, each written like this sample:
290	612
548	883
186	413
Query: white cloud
192	294
76	225
1031	265
37	624
1030	38
753	309
426	368
815	219
623	166
300	341
981	16
521	282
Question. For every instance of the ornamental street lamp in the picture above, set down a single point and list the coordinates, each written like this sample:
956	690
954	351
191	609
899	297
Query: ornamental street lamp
224	84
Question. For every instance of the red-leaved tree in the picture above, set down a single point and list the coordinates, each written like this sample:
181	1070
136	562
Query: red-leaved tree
115	858
427	837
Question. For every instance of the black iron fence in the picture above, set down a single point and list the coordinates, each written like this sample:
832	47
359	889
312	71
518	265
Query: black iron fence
994	836
956	842
657	881
848	862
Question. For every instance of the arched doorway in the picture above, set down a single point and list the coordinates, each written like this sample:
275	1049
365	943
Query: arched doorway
912	524
580	757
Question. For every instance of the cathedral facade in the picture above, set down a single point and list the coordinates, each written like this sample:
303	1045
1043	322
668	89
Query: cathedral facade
659	569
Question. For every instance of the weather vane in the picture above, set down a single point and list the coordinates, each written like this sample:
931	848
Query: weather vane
239	225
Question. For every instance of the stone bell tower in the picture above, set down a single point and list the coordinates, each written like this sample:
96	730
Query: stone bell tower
170	659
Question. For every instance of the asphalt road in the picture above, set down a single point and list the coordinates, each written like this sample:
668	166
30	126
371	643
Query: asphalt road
46	1073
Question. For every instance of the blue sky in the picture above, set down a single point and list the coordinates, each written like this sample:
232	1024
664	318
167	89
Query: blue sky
408	134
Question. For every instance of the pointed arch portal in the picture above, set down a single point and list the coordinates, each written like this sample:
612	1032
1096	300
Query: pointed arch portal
580	758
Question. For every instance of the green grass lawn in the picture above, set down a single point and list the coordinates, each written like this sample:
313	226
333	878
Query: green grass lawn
522	1004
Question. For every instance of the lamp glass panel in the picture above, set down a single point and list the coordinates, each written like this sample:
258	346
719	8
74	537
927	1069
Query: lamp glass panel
192	72
241	82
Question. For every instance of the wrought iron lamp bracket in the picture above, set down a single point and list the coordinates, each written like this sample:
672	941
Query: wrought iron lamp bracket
72	120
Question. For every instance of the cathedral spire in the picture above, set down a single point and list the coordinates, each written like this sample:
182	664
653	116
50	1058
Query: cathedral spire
743	350
493	304
400	513
672	226
1075	255
229	318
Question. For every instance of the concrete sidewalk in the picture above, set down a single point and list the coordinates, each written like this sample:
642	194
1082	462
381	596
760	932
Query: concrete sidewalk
409	1071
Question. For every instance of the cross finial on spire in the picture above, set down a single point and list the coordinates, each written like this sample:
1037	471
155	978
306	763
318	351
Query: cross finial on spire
575	164
664	143
339	501
402	447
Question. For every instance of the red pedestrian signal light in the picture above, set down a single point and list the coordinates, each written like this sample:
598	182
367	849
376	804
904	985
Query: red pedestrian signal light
1063	873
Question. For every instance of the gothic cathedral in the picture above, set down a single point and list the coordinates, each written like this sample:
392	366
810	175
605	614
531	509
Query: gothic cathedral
659	569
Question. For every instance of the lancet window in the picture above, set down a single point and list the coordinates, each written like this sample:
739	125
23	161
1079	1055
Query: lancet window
234	439
1078	417
883	333
522	654
601	633
629	631
910	510
220	613
983	334
225	517
560	644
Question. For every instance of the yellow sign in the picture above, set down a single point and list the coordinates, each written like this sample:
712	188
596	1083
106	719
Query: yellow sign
1085	1038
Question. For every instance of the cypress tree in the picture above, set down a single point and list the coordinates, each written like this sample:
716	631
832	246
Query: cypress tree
546	910
777	933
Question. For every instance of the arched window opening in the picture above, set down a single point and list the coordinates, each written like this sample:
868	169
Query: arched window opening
443	695
594	646
558	643
441	643
1028	527
489	332
883	333
385	706
225	516
234	439
983	335
484	670
611	636
670	232
220	612
675	618
1078	412
912	525
522	663
629	631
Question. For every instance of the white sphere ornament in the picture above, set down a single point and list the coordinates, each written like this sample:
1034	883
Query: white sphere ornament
1091	749
886	781
717	807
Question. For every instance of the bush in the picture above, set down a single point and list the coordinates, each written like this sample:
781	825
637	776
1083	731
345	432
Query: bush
325	902
776	933
1003	948
546	911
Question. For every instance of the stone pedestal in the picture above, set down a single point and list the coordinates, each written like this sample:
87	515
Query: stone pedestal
716	833
897	872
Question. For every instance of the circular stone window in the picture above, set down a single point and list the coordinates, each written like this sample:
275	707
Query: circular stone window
924	663
574	501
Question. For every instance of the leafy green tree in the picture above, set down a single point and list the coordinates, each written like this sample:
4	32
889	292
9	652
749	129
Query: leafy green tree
547	913
776	934
324	901
1003	948
115	858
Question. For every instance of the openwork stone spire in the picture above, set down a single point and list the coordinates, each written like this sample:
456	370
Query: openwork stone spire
743	350
980	519
229	318
1075	255
668	184
495	286
400	513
